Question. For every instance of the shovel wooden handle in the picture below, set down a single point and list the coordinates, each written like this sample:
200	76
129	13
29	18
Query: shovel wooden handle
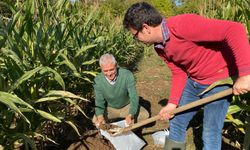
182	108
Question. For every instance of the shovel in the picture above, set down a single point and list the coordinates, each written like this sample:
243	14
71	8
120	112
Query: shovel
119	131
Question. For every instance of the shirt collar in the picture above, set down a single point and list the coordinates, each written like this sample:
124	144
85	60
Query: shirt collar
165	31
112	82
165	34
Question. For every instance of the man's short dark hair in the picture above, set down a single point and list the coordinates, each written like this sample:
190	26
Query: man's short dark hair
140	13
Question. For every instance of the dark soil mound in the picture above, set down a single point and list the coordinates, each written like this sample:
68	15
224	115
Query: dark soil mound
92	140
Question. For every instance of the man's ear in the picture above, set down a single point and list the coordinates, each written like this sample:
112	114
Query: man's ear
146	28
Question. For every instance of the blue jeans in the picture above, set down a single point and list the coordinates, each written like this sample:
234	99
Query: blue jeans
214	115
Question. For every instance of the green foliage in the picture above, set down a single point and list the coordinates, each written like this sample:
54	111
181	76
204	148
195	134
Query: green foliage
236	10
48	52
116	7
165	7
190	6
119	7
238	115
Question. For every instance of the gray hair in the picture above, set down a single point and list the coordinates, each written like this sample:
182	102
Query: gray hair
107	59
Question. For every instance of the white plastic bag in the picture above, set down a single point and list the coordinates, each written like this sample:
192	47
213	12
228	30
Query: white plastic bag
128	141
160	137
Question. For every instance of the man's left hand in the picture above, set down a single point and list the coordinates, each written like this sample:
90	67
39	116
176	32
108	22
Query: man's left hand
242	85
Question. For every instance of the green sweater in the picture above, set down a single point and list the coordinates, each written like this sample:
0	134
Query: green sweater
118	95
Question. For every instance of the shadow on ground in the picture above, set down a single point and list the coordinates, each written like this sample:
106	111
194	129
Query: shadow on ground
147	105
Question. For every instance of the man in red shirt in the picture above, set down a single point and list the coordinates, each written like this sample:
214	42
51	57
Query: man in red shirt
198	51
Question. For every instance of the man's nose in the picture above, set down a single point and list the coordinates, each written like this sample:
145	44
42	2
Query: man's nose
109	73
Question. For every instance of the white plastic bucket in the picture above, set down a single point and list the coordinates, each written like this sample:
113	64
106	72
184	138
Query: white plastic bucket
160	137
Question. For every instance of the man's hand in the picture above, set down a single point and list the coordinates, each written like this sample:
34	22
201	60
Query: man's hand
99	120
242	85
129	120
164	111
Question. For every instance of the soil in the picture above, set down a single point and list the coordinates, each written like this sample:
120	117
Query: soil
106	127
93	141
152	83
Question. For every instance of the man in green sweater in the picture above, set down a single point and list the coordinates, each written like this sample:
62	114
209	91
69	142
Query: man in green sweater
115	94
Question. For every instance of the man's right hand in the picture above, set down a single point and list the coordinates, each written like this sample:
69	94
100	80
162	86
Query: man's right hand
164	113
99	120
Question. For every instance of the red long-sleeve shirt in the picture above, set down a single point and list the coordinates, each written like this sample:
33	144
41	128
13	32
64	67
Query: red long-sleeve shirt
207	50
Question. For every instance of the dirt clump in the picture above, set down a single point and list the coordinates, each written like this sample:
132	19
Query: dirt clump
108	126
92	140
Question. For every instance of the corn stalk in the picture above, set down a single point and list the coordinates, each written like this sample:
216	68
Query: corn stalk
48	52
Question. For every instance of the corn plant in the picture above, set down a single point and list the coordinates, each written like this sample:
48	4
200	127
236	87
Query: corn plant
48	52
236	10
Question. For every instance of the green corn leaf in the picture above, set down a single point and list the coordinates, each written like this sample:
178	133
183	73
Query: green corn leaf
41	10
230	118
93	73
233	109
32	72
84	49
44	137
76	74
77	106
64	94
68	63
86	79
12	24
74	127
237	123
14	74
43	114
46	99
22	109
13	98
89	62
58	6
90	18
55	55
100	39
32	7
228	80
5	100
11	54
48	116
56	76
25	77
